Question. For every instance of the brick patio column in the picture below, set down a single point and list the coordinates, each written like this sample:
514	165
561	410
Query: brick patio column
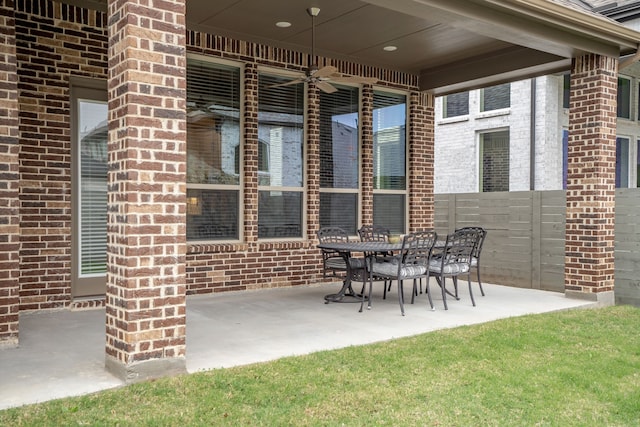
589	251
146	248
9	179
366	156
421	156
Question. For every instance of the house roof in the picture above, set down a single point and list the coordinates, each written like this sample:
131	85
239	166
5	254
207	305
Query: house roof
452	45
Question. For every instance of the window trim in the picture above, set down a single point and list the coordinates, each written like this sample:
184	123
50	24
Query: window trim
480	140
630	104
496	111
89	89
358	191
458	117
241	66
304	189
629	159
404	192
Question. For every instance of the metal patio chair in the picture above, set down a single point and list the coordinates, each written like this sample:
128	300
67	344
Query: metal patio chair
334	263
374	233
475	259
454	260
411	263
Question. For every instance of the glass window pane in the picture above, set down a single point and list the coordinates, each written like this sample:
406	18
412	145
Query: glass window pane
456	104
280	130
280	214
212	214
339	138
389	212
339	210
622	162
624	98
495	161
213	126
389	135
92	125
496	97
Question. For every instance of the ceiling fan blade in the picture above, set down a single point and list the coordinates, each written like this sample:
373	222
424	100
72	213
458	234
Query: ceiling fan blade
326	87
290	82
325	71
353	79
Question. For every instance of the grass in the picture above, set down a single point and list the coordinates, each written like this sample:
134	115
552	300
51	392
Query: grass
572	368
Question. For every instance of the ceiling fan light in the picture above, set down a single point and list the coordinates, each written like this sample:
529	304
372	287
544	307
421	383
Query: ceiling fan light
390	48
283	24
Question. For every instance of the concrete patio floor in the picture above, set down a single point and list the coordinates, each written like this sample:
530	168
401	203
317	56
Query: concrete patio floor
62	353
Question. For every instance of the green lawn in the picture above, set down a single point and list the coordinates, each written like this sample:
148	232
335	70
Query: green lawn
573	368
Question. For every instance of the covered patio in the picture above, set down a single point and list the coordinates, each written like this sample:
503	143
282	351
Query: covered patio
135	56
61	354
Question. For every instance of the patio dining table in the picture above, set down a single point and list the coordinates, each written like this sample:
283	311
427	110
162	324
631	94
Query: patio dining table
346	249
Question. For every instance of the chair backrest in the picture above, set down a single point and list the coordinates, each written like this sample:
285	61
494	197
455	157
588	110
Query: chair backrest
373	233
459	247
482	233
332	235
417	247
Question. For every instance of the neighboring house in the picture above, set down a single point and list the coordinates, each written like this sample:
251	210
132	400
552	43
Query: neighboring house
514	137
224	154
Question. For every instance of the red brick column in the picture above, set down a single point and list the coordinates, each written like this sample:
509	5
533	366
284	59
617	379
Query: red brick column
313	162
146	250
366	156
9	180
589	251
421	156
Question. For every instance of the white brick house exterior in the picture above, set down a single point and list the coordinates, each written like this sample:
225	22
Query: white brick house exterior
457	139
535	125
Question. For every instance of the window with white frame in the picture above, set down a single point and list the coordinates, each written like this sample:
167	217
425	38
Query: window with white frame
495	97
494	161
389	160
624	98
339	158
622	162
280	157
213	151
455	104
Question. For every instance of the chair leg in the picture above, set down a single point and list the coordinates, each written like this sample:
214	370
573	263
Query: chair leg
414	291
455	287
479	281
444	292
470	291
401	296
428	291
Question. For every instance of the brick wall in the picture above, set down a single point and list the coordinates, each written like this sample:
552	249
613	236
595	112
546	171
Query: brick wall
54	42
9	196
589	247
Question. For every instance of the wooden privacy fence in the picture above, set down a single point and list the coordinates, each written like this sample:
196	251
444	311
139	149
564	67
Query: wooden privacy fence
525	240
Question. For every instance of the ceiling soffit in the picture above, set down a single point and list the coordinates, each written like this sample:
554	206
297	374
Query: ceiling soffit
451	44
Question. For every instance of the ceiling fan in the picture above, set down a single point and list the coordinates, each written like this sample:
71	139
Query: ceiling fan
322	77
